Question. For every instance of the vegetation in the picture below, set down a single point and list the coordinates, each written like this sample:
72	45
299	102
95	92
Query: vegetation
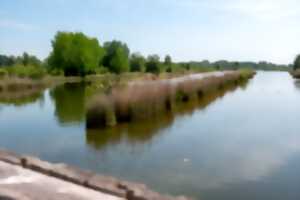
137	63
146	100
75	53
153	65
296	68
116	57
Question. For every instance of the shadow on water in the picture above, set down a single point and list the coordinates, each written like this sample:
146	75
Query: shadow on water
297	84
146	131
69	100
131	132
21	98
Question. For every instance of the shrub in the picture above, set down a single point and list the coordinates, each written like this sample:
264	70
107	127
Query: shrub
21	71
3	73
153	64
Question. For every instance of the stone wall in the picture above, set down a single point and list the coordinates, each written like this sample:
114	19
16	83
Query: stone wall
104	184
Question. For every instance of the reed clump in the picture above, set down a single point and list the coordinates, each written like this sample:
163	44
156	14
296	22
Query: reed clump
20	84
295	74
148	100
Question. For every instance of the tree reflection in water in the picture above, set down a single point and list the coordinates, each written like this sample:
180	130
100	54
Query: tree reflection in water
69	100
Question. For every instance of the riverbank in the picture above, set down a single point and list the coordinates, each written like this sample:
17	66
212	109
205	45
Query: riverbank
143	100
25	177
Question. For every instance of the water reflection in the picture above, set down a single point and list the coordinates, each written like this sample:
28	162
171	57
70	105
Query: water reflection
69	100
145	131
21	98
297	84
142	132
229	145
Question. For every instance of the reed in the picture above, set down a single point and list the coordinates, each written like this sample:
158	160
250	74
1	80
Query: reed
148	100
295	74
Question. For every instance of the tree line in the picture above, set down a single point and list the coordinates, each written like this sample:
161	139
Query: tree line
75	54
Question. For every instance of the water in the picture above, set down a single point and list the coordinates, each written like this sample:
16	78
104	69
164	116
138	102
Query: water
244	144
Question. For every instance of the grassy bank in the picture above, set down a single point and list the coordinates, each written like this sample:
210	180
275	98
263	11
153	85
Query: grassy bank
153	98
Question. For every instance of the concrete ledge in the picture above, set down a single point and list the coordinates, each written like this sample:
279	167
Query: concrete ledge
104	184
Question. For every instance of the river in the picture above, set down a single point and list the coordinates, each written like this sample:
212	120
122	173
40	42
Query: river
239	144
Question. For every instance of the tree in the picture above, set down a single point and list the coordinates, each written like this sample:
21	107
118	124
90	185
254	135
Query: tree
137	62
25	59
168	63
297	63
75	53
7	60
152	64
116	58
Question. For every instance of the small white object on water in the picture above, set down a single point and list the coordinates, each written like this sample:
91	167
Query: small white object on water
186	160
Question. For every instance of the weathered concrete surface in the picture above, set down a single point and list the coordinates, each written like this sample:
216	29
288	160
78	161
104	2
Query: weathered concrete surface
31	178
19	183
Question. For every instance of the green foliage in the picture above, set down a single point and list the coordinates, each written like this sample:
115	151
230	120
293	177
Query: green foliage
65	111
25	59
168	63
153	64
116	57
297	63
31	71
3	73
6	60
101	70
75	53
137	62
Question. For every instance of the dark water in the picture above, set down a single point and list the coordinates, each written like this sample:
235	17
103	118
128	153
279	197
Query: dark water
242	144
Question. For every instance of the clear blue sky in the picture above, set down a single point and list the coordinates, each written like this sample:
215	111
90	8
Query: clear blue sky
186	29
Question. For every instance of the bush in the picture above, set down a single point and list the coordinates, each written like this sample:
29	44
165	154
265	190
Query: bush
101	70
153	64
137	63
21	71
3	73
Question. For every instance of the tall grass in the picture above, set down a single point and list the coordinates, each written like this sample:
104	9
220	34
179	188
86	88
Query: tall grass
150	99
295	74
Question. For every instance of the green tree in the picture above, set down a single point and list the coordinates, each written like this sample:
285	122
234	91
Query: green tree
7	60
75	53
137	62
116	58
153	64
25	59
297	62
168	63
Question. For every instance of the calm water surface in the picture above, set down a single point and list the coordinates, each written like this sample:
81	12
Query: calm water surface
241	145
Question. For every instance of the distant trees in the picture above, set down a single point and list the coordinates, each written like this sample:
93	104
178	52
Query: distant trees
25	60
137	62
297	63
116	57
153	64
75	53
7	60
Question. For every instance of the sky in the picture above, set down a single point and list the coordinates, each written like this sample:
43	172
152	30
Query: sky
237	30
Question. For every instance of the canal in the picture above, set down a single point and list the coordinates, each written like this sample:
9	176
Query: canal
239	143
